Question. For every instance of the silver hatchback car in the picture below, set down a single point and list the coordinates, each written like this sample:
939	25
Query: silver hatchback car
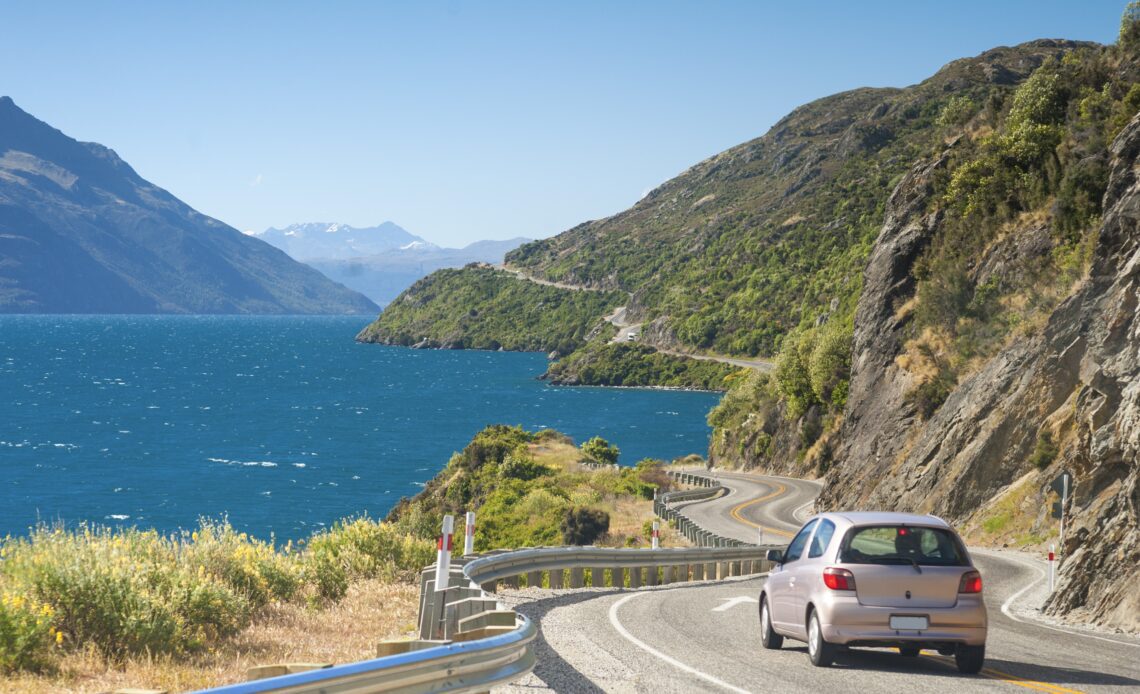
878	580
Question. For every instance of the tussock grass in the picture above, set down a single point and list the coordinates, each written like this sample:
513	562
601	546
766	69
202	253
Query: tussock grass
117	595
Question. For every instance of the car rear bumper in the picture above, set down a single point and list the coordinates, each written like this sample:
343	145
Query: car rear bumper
844	621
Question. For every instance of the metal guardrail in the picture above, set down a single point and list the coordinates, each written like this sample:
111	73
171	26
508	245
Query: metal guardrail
708	487
474	666
468	643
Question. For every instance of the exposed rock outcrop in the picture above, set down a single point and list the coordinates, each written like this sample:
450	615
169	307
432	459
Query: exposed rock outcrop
1077	377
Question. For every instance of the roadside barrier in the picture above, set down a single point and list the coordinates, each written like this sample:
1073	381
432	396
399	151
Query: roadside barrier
469	642
707	488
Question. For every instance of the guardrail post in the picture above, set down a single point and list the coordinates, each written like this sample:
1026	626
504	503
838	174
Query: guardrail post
443	554
617	577
651	575
721	570
666	575
698	572
469	533
556	578
598	577
635	577
533	579
576	576
511	581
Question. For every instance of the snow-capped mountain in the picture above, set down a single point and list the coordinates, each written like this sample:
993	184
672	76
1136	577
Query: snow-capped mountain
325	241
380	261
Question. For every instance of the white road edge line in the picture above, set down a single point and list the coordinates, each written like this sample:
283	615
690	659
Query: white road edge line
1005	607
658	654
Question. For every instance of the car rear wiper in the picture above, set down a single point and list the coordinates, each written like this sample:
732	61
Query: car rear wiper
905	560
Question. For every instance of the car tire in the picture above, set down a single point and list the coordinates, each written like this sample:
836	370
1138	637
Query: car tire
821	653
970	658
768	637
909	651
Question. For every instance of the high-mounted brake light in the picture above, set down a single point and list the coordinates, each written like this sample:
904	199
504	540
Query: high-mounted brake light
971	582
902	530
838	579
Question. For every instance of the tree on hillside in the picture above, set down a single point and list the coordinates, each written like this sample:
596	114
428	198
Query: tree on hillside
599	450
1130	26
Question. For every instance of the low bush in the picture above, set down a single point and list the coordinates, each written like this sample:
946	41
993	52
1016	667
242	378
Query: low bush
27	637
583	526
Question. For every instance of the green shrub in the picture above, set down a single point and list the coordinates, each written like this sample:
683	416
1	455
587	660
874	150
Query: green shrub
1044	452
123	591
252	568
27	636
357	548
599	450
583	526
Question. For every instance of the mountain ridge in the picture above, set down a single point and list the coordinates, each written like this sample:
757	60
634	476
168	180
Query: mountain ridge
82	232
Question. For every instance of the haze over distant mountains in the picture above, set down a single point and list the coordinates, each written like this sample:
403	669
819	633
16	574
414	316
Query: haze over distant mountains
81	232
380	261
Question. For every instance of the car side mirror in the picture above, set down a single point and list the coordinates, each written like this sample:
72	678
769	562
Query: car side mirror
775	555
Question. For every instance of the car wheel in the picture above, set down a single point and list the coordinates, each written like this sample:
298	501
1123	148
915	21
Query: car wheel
970	658
821	653
768	636
909	651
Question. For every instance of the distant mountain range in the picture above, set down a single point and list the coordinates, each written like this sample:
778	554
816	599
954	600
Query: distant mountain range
81	232
380	261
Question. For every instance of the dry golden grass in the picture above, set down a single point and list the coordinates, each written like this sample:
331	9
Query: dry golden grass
345	632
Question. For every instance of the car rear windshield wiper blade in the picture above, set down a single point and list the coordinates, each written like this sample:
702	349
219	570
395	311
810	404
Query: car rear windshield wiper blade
900	560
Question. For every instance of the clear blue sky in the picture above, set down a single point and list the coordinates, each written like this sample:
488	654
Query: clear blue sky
464	121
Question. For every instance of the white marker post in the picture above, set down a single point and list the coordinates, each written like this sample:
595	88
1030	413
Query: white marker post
1052	563
469	534
760	532
443	554
1064	498
656	535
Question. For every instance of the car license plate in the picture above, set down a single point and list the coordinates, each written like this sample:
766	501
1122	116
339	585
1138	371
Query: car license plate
901	623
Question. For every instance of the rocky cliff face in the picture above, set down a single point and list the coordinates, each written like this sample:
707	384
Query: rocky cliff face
1075	382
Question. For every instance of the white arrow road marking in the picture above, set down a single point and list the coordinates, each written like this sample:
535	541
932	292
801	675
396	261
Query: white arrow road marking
729	603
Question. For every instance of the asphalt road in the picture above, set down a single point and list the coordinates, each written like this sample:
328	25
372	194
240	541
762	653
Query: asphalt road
774	506
704	637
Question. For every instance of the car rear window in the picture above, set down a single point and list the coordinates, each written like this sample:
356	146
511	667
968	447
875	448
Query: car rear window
902	544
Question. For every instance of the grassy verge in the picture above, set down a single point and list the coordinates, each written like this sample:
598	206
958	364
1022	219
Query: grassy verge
121	595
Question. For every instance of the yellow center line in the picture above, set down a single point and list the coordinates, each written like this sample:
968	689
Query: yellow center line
735	512
1011	679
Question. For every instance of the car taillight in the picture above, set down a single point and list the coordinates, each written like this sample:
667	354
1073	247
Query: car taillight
838	579
971	582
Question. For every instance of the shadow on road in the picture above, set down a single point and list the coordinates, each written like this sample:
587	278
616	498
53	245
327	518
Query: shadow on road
995	668
551	668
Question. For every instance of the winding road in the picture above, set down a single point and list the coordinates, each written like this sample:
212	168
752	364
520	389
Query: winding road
704	636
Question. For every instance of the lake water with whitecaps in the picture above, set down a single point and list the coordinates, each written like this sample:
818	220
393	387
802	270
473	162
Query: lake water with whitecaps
283	424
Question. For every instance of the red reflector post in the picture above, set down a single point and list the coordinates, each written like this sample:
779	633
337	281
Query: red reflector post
971	582
838	579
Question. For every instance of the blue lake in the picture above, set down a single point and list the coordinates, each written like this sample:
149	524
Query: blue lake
283	423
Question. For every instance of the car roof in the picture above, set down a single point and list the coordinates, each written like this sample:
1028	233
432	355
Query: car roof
886	518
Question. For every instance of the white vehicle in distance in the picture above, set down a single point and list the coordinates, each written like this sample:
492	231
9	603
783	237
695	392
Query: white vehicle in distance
875	580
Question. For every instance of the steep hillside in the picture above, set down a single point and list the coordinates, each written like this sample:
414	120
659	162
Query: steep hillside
946	277
771	235
81	232
479	307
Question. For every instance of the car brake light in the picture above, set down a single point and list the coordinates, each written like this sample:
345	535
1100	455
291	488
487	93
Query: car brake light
971	582
838	579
